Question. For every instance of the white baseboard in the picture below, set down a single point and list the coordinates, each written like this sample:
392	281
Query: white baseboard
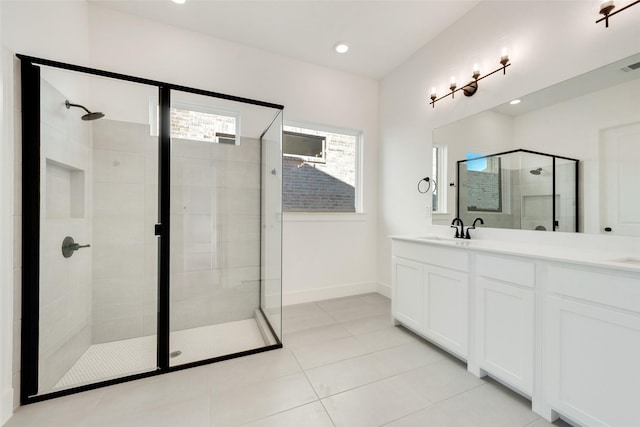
6	411
319	294
384	289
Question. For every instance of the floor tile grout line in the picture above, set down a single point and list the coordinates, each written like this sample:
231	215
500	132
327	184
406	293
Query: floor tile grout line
342	325
462	392
408	415
381	379
331	312
369	352
314	390
277	413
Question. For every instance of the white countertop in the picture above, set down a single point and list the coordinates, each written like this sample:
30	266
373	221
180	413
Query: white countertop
588	256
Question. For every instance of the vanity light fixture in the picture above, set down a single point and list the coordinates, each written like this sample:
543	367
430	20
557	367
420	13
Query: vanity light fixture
472	87
607	6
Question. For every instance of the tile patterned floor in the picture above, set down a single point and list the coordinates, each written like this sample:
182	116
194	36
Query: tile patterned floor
343	365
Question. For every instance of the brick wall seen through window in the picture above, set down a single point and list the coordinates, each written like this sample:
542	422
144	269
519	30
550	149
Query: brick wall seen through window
327	183
200	126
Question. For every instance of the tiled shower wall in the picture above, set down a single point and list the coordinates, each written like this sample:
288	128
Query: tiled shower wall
65	283
124	245
215	234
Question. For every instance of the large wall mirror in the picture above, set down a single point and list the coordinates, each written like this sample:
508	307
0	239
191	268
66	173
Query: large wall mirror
593	117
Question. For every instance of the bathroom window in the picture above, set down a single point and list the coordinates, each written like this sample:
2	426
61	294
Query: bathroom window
321	171
439	174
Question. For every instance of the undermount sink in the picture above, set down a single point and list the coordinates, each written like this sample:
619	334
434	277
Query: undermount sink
628	261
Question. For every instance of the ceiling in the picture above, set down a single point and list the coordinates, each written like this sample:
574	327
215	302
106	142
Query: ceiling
381	34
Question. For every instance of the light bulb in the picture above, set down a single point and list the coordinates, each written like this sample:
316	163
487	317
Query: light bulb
476	71
504	59
433	90
341	47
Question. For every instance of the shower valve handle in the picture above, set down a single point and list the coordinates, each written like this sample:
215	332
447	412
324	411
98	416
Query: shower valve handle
69	246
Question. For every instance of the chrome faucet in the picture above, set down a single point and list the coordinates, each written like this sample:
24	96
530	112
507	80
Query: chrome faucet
459	233
473	227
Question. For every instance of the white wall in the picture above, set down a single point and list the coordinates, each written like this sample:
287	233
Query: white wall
549	41
6	255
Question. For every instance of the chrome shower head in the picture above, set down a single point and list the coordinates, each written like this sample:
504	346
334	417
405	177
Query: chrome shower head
87	117
536	171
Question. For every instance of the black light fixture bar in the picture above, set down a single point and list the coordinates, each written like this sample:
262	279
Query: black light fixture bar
471	87
607	12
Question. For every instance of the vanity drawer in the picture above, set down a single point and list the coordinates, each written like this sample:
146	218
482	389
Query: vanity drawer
426	253
597	286
506	269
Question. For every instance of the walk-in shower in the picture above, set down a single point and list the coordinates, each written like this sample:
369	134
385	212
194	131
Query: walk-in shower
519	189
151	237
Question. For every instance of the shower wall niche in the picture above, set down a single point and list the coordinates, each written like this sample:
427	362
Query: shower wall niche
172	196
519	189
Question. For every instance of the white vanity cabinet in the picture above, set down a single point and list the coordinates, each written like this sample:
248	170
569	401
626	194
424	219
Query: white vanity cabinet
563	331
592	342
430	293
505	319
446	303
408	293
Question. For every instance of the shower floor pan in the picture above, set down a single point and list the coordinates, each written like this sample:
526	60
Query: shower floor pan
131	356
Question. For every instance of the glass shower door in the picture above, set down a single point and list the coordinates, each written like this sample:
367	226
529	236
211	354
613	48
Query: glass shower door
215	227
98	252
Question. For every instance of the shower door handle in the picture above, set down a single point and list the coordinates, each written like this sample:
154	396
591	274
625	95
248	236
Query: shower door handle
69	246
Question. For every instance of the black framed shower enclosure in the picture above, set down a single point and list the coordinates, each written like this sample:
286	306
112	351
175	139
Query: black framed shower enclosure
217	200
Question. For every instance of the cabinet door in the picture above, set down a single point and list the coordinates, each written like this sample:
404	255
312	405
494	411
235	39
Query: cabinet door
407	293
592	370
505	331
446	319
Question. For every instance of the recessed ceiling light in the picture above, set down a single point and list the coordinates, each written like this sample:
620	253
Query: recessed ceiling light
515	101
341	47
179	1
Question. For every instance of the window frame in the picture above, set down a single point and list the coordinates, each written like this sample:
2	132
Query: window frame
358	164
440	179
310	159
